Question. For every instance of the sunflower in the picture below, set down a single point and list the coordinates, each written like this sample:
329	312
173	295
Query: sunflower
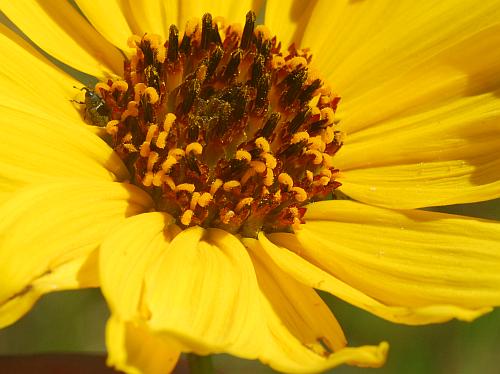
211	183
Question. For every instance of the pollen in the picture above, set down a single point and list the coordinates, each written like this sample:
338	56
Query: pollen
223	127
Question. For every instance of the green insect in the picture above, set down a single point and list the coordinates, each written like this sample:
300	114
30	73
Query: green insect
97	112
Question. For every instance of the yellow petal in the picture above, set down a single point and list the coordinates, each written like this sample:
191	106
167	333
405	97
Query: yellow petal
444	156
453	73
58	28
80	272
285	251
368	47
288	19
48	231
154	16
232	11
300	308
135	350
111	18
202	291
34	149
27	77
196	294
435	265
304	335
125	256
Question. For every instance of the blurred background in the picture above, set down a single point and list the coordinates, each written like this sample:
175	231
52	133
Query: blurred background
74	322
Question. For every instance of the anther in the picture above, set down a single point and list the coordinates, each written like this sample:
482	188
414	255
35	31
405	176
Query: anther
152	130
145	149
152	78
270	160
216	184
205	199
285	179
158	178
169	120
176	153
243	202
191	91
161	139
186	217
152	159
168	163
270	125
263	86
130	147
148	179
294	81
297	62
139	89
101	87
185	46
194	200
228	186
327	160
170	182
328	114
227	217
277	62
258	166
215	36
300	194
299	137
112	127
328	135
173	44
188	187
195	148
133	41
233	64
308	92
257	69
263	144
299	120
309	175
317	126
293	149
318	157
213	62
206	30
243	155
121	86
247	35
269	178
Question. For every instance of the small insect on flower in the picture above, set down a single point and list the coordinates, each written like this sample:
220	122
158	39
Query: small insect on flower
97	112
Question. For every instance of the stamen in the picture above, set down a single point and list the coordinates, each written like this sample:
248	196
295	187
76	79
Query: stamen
228	186
185	187
186	217
195	148
173	44
222	128
248	30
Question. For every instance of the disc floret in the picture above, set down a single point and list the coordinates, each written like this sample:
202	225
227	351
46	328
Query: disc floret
224	129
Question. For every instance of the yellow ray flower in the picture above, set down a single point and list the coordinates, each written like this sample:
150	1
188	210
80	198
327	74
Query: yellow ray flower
190	194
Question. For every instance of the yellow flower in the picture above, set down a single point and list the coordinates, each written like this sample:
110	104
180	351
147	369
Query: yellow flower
420	111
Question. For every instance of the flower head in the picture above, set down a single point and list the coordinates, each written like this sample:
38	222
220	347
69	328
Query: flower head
198	195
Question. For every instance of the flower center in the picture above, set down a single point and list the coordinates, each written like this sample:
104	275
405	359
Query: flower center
222	128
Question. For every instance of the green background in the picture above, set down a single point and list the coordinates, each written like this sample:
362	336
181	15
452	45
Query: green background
74	322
